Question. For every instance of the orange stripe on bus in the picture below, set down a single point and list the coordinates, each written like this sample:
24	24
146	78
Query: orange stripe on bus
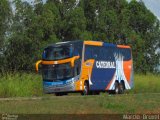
60	61
95	43
37	63
127	66
123	46
85	73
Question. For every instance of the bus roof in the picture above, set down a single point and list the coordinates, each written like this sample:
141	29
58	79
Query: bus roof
64	43
89	42
100	43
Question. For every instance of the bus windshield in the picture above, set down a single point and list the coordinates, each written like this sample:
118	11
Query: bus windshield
57	53
57	72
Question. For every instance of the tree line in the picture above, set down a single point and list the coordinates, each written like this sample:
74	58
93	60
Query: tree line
26	28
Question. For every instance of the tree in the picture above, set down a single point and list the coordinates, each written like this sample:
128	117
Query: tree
5	21
19	47
30	28
5	15
44	25
143	22
72	22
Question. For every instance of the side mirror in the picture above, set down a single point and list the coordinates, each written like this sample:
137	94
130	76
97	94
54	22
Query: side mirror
37	64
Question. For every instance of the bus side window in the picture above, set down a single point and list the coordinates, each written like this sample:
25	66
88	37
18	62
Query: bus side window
95	52
76	53
111	57
88	53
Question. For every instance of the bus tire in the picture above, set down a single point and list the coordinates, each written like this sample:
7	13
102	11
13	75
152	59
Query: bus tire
86	88
116	89
121	88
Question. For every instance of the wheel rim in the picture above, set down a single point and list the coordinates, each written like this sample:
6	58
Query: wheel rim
121	88
85	89
116	90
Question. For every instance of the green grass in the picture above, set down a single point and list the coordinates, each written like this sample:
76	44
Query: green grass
20	84
115	104
146	99
29	84
149	83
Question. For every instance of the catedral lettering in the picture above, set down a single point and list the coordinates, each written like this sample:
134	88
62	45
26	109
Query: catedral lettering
105	64
86	67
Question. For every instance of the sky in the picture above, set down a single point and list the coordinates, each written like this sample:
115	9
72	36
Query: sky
153	6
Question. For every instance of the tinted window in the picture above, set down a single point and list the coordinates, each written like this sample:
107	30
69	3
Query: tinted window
103	53
57	72
126	52
106	53
56	53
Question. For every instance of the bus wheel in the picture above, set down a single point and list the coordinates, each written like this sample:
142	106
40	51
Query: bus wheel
116	90
86	89
121	88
